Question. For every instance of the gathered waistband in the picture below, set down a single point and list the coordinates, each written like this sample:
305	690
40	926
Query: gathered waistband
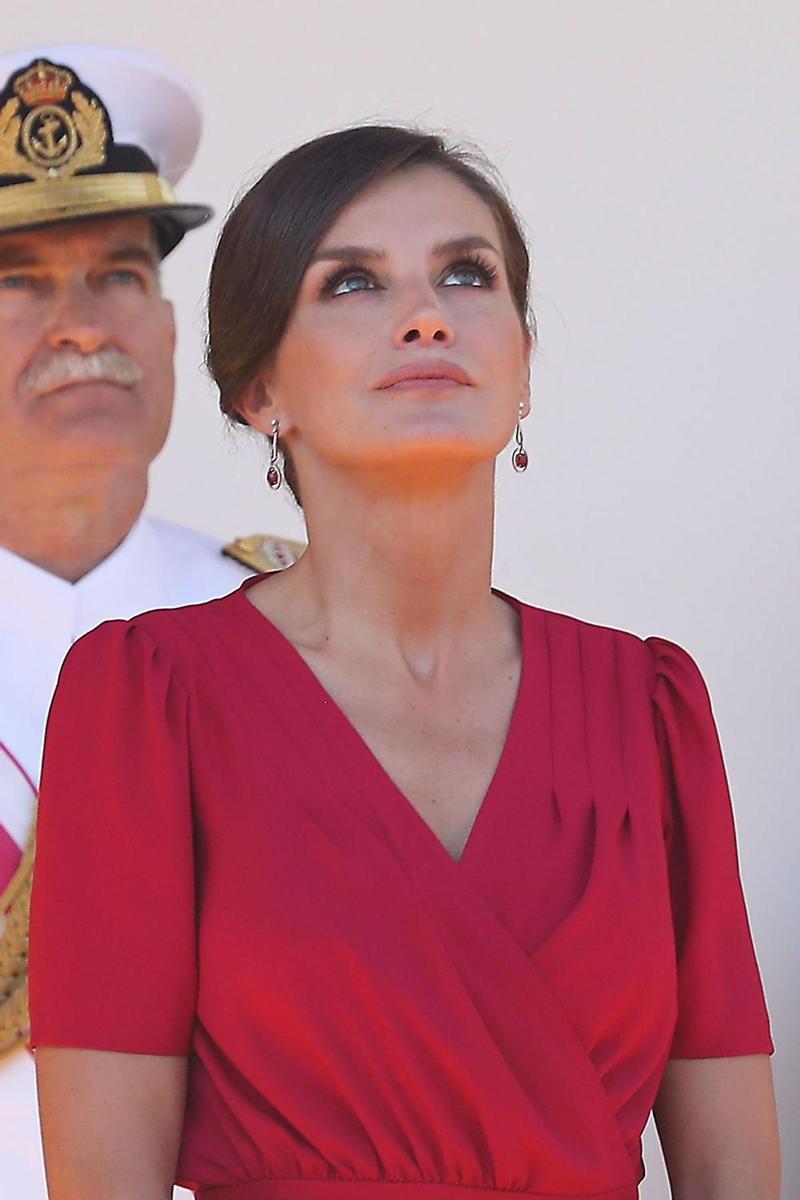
366	1189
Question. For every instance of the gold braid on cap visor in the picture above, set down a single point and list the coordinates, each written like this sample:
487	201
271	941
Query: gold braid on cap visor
41	202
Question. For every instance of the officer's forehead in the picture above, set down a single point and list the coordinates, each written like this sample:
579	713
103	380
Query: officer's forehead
109	238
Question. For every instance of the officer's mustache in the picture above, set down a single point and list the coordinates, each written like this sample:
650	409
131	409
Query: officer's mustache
107	365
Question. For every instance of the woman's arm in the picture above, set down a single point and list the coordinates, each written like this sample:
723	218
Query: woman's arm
718	1127
111	1123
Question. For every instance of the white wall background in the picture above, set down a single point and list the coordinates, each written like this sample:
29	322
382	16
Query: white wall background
652	148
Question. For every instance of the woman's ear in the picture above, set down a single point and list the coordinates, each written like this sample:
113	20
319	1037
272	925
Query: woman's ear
255	405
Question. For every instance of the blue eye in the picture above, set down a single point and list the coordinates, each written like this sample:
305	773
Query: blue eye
121	275
477	271
348	279
474	278
15	282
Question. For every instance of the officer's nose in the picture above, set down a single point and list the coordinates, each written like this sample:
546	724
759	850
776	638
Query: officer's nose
77	321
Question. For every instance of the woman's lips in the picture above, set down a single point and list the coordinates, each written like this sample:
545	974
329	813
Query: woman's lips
437	375
436	383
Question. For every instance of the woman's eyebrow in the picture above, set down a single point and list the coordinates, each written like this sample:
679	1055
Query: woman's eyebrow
462	245
340	253
459	245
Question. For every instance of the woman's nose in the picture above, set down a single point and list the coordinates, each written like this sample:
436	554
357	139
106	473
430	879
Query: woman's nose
427	325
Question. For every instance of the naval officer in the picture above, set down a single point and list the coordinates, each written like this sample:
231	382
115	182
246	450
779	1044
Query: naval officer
92	140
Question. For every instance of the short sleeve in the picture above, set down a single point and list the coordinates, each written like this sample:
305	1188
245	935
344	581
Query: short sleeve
721	1006
112	962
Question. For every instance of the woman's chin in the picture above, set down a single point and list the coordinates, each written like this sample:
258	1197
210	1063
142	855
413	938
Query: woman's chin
438	437
446	454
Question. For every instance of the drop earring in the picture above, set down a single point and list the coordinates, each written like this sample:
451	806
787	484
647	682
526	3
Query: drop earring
519	455
274	476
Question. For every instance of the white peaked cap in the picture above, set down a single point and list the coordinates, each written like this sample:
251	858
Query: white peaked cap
149	107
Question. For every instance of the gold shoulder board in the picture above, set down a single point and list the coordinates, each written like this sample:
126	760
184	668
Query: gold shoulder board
15	906
262	552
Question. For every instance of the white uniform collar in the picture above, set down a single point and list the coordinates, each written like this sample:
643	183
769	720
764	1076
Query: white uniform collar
42	615
53	610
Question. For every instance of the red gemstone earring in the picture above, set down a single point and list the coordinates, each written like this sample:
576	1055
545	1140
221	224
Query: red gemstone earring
519	455
274	476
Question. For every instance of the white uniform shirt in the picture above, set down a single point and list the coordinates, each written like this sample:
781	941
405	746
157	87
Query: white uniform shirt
158	565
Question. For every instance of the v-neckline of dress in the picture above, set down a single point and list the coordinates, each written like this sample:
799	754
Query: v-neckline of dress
341	727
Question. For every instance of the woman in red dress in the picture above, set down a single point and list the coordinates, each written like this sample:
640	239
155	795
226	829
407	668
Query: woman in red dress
369	880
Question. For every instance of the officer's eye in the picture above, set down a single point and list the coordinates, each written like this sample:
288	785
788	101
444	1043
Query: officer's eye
15	282
124	276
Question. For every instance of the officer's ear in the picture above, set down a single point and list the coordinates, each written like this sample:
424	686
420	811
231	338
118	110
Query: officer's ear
169	320
157	250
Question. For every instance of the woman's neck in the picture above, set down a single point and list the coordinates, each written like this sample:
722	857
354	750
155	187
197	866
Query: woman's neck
408	565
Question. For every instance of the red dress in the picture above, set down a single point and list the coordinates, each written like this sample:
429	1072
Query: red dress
224	870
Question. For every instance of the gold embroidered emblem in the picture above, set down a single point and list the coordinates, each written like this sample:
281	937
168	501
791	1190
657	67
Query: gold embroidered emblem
50	142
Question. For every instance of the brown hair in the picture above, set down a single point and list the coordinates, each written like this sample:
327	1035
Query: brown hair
270	235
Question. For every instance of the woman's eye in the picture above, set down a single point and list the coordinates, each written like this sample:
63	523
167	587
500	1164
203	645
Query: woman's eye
469	274
354	282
